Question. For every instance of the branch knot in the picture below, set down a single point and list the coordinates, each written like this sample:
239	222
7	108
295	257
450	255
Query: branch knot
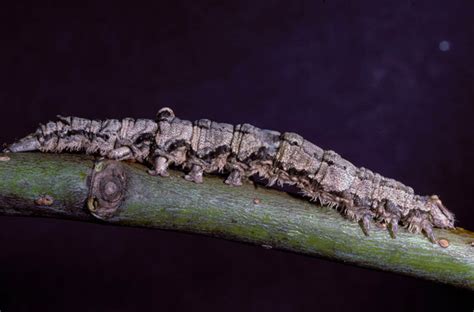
107	188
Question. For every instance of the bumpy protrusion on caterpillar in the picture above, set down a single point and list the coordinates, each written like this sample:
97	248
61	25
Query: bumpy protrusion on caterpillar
242	151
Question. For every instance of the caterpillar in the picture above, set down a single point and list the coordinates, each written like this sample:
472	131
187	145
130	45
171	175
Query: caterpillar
242	151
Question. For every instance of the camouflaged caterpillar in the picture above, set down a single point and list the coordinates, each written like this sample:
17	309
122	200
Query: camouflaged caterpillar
242	151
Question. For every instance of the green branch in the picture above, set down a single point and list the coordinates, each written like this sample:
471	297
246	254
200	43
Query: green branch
75	187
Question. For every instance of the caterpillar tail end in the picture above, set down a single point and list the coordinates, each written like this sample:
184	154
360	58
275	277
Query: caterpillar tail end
27	144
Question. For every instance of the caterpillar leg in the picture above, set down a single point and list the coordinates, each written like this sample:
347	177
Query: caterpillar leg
121	153
393	229
419	222
160	167
234	178
389	212
359	214
358	210
365	223
428	229
195	175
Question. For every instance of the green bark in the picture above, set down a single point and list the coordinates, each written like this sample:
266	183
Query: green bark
60	186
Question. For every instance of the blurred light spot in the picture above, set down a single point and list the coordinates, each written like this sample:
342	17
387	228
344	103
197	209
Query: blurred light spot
444	45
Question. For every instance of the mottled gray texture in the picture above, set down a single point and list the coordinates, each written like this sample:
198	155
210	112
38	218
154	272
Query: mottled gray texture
242	151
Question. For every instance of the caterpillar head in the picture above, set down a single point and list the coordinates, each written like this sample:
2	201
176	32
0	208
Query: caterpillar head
442	217
26	144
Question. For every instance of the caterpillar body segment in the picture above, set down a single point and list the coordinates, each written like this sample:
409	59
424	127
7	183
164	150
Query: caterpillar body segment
241	151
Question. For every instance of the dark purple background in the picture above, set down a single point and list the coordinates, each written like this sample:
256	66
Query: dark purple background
367	80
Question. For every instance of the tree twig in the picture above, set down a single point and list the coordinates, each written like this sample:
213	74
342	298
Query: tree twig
76	187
